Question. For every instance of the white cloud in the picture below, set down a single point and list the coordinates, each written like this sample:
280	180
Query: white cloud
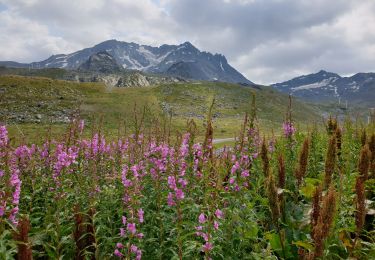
35	29
268	41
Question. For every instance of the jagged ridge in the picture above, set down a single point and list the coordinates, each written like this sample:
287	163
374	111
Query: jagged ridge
160	60
326	86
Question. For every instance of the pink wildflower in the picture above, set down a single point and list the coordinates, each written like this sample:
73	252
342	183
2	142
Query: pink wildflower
219	214
172	182
202	218
122	232
118	253
3	136
133	248
131	228
170	199
216	225
207	247
289	129
245	174
140	215
180	194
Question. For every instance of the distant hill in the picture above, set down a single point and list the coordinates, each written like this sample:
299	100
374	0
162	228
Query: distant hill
182	60
328	86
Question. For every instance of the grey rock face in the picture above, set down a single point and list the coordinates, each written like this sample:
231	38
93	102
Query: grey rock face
165	59
101	62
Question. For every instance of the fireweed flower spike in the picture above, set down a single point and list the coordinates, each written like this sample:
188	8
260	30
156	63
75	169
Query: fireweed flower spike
15	183
140	215
289	129
3	136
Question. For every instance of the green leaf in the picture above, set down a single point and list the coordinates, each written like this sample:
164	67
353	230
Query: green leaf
309	188
303	244
274	240
251	232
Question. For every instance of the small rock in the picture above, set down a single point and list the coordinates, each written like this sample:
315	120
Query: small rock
38	116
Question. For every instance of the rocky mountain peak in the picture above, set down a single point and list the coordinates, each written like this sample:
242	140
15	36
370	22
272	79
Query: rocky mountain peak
101	62
160	60
329	86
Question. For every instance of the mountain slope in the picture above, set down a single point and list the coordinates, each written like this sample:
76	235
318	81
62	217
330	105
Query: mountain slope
43	100
327	86
145	58
101	62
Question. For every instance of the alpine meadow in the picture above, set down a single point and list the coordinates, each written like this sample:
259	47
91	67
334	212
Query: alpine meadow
125	133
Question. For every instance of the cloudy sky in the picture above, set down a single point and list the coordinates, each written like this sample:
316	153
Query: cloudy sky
268	41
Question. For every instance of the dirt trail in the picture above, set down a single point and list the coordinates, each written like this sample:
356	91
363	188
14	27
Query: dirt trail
223	140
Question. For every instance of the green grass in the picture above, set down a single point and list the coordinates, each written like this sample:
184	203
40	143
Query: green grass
47	97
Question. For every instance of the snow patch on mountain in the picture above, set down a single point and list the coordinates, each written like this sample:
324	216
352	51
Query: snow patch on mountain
323	83
324	86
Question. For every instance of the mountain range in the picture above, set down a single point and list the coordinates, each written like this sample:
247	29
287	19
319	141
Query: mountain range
124	64
327	86
183	60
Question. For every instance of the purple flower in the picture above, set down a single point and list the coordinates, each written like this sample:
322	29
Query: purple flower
12	216
135	169
202	218
3	136
183	182
118	253
140	215
170	199
235	167
289	129
172	182
125	181
133	248
219	214
185	145
245	173
119	245
216	225
123	220
16	194
207	247
131	228
139	255
180	194
122	232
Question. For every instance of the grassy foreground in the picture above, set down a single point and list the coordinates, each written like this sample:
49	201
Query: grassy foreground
148	195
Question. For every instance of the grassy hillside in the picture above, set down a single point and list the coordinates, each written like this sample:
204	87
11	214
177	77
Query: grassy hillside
32	103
